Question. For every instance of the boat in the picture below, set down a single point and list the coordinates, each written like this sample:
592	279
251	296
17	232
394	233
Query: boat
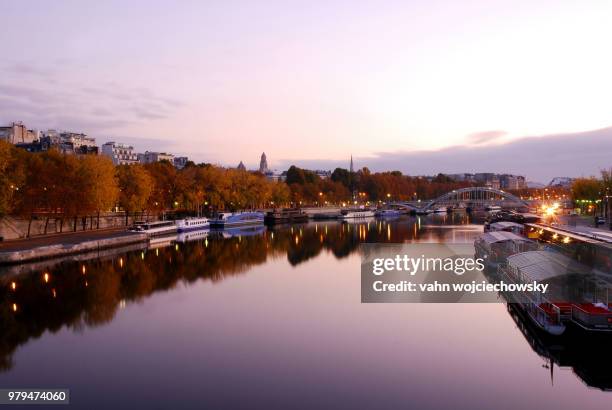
155	228
226	220
287	215
388	213
493	208
495	247
424	211
578	295
192	224
321	216
441	210
505	226
355	213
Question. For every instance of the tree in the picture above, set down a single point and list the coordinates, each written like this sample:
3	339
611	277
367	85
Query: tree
102	191
135	187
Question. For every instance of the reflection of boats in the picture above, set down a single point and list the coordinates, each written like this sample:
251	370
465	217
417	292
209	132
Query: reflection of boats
441	210
356	213
493	208
387	213
226	220
586	354
155	228
191	224
162	241
192	235
242	231
495	247
279	216
424	211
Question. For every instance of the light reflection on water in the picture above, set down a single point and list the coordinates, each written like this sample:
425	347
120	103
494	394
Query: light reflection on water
273	318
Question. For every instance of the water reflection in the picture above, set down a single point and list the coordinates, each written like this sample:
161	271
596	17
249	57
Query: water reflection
78	293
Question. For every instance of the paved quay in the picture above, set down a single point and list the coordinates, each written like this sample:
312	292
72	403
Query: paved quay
51	246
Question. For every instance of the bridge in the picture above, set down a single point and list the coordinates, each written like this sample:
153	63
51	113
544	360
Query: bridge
472	197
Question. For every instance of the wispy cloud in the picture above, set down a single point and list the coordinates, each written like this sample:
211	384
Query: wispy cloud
485	137
91	108
539	158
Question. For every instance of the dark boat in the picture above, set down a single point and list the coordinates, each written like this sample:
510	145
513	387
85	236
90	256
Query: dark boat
284	216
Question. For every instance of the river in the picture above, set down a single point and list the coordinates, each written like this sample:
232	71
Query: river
273	318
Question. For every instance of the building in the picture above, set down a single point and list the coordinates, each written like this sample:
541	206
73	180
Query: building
121	154
17	133
180	162
149	157
241	167
322	173
512	182
563	182
263	164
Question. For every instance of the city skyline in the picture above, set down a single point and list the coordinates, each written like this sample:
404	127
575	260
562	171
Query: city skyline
312	84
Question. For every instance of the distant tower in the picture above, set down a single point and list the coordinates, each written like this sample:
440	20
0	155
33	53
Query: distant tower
241	167
352	170
263	164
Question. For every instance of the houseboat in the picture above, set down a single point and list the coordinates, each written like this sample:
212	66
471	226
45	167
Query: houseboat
280	216
388	213
226	220
355	213
192	224
505	226
535	266
155	228
495	247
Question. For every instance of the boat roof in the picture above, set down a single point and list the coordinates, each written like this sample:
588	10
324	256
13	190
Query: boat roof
543	265
501	236
506	224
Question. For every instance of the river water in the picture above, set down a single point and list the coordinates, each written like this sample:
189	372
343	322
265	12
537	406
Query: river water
269	318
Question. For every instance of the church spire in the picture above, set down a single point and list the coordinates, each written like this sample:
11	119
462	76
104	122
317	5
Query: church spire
352	169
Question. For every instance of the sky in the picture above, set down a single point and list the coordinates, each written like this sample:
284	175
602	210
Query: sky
314	82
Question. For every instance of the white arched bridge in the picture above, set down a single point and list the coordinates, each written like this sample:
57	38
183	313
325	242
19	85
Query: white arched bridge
471	197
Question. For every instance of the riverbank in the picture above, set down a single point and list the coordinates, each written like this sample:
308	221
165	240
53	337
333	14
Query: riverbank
25	250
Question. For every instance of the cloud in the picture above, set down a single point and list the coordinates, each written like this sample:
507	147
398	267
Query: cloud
538	158
91	107
485	136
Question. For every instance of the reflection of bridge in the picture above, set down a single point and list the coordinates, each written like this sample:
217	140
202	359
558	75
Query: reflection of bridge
472	197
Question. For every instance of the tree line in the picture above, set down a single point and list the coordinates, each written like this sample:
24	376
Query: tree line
64	187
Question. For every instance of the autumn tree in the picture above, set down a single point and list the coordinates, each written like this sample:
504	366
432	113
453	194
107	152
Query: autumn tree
135	187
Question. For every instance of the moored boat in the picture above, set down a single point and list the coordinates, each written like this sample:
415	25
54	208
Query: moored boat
287	215
356	213
192	224
155	228
387	213
225	220
495	247
441	210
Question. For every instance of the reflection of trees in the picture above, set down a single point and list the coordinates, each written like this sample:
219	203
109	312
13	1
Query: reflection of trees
79	295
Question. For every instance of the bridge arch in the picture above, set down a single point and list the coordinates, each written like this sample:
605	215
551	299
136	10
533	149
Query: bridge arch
475	197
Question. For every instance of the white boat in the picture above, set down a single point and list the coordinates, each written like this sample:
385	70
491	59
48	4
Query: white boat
155	228
493	208
233	219
356	213
192	224
441	210
387	213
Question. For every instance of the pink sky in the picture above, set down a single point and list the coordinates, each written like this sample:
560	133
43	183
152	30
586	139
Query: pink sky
307	80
